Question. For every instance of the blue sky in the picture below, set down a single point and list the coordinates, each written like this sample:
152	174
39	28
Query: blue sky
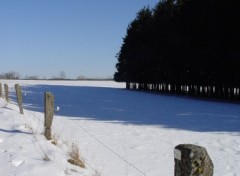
80	37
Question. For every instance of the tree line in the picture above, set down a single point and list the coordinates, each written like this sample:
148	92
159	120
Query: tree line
10	75
183	47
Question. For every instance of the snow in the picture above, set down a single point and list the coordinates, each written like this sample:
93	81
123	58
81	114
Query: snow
119	132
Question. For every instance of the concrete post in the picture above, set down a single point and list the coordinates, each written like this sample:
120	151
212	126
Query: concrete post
48	115
6	92
0	89
192	160
19	97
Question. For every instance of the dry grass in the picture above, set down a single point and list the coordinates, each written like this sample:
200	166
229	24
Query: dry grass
75	157
46	158
27	126
55	139
70	171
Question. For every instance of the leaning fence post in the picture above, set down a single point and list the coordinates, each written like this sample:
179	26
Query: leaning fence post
19	97
192	160
48	115
6	92
0	89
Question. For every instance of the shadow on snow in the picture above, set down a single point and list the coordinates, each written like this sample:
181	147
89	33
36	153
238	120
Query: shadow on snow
131	107
13	131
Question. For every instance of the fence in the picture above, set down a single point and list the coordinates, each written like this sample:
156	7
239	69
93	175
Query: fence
19	97
190	160
6	92
0	89
48	114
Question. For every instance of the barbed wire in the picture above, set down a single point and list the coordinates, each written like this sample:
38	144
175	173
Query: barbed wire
59	132
111	150
96	139
31	128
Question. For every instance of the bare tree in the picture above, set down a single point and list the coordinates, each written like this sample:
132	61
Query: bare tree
34	77
10	75
81	77
62	75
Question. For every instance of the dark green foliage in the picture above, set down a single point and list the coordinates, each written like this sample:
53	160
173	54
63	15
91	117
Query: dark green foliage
183	46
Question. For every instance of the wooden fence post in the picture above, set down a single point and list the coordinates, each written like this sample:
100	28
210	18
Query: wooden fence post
6	92
0	89
192	160
48	115
19	97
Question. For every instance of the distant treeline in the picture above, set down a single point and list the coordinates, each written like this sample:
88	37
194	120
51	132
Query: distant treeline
184	47
12	75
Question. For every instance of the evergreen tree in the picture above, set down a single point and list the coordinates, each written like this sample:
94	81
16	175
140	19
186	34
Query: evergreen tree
190	45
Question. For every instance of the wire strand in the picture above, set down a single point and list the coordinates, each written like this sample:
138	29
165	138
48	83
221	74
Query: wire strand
118	155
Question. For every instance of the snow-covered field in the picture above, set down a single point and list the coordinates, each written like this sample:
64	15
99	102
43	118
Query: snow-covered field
119	132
